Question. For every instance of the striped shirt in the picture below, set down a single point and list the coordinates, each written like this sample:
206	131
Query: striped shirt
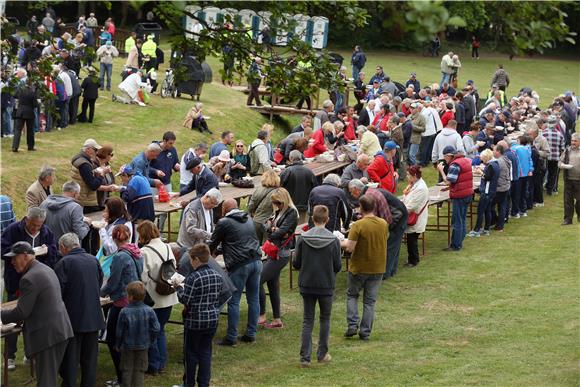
200	295
556	142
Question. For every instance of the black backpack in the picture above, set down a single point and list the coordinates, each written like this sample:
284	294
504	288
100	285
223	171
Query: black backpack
162	283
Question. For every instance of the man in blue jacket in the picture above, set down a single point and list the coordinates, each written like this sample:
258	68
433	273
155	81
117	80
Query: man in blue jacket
80	278
358	61
137	194
142	164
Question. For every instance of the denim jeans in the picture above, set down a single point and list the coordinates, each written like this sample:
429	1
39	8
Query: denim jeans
515	193
394	247
62	107
500	202
325	304
247	276
445	78
339	101
459	221
484	211
108	69
413	150
426	149
7	123
197	348
36	127
369	284
158	349
355	71
524	193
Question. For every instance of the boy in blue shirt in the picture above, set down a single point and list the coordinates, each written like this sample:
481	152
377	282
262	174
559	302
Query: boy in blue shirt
200	296
137	328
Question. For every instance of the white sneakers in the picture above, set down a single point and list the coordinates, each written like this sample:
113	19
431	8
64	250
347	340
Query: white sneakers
11	364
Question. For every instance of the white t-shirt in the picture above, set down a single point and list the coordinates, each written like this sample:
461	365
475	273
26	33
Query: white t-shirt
207	215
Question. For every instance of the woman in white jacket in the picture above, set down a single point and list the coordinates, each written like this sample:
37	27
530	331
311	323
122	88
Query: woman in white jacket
155	252
416	199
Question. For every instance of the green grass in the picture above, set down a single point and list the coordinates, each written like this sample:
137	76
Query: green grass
504	311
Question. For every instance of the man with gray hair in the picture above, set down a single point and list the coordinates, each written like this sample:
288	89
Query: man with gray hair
141	163
357	170
330	195
64	214
557	143
197	224
322	115
541	144
80	278
299	181
30	229
570	164
41	188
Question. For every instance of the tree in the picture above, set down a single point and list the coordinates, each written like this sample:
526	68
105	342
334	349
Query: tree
293	71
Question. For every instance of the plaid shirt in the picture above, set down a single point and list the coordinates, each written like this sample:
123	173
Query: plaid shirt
453	173
200	295
7	216
556	142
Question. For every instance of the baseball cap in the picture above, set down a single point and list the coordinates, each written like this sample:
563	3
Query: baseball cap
415	105
20	248
125	169
449	150
194	162
376	81
91	143
390	145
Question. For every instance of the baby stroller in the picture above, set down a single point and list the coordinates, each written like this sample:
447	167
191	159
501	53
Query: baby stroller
168	88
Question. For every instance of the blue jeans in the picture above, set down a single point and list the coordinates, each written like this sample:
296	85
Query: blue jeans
501	202
355	71
394	247
247	276
524	193
369	284
445	78
459	221
339	101
484	211
62	107
197	348
7	123
108	69
158	349
413	150
36	127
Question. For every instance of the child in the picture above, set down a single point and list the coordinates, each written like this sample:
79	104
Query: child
317	256
137	328
200	296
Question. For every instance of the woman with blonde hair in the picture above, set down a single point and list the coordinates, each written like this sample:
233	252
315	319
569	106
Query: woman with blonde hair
260	204
155	253
195	119
280	232
241	161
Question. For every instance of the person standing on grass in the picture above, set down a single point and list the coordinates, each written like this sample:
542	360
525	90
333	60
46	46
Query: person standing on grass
137	329
90	88
503	188
500	78
487	190
200	296
242	256
318	258
416	199
80	278
570	163
106	53
254	80
543	148
459	179
367	243
475	47
556	142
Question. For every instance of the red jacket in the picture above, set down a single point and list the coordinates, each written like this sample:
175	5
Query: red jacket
318	147
463	187
381	121
446	117
349	130
383	172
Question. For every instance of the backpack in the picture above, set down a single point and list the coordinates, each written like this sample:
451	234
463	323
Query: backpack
254	162
166	271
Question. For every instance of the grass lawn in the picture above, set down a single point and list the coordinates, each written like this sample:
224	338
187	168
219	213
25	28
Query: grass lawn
504	311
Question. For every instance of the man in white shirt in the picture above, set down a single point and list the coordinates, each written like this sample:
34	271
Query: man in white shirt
433	125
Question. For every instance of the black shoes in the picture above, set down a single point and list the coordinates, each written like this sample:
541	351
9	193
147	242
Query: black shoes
350	332
566	223
225	342
452	249
247	339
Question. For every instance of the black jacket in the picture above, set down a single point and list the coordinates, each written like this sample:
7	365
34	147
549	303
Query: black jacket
80	278
286	226
398	209
90	87
237	235
335	199
27	102
363	118
201	183
299	180
317	256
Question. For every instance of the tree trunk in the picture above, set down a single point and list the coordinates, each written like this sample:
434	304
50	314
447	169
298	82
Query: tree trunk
124	12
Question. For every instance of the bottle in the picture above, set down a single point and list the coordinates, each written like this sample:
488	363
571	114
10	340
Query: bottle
163	195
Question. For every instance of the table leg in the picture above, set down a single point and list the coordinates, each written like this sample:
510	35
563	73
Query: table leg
449	223
169	226
5	367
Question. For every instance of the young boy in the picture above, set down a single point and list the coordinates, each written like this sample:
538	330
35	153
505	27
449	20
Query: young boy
200	296
137	328
317	256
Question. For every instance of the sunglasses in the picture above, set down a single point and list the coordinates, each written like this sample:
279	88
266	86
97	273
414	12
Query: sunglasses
276	203
239	146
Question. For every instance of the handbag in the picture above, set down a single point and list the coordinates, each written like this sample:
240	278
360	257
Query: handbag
271	250
414	216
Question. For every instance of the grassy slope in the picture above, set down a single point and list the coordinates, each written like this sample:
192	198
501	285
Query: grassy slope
503	311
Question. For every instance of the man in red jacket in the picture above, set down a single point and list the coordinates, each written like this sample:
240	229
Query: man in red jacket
459	179
382	169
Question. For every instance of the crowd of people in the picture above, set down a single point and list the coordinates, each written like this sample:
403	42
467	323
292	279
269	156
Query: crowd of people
59	261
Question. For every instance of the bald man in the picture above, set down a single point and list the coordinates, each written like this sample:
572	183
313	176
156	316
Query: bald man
241	250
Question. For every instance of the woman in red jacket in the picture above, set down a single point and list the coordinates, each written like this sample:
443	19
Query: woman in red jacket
318	146
448	115
350	124
382	169
382	119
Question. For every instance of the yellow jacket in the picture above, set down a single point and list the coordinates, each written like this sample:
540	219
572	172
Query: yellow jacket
149	48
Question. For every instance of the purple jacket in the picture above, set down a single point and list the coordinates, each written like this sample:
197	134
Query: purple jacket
16	232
